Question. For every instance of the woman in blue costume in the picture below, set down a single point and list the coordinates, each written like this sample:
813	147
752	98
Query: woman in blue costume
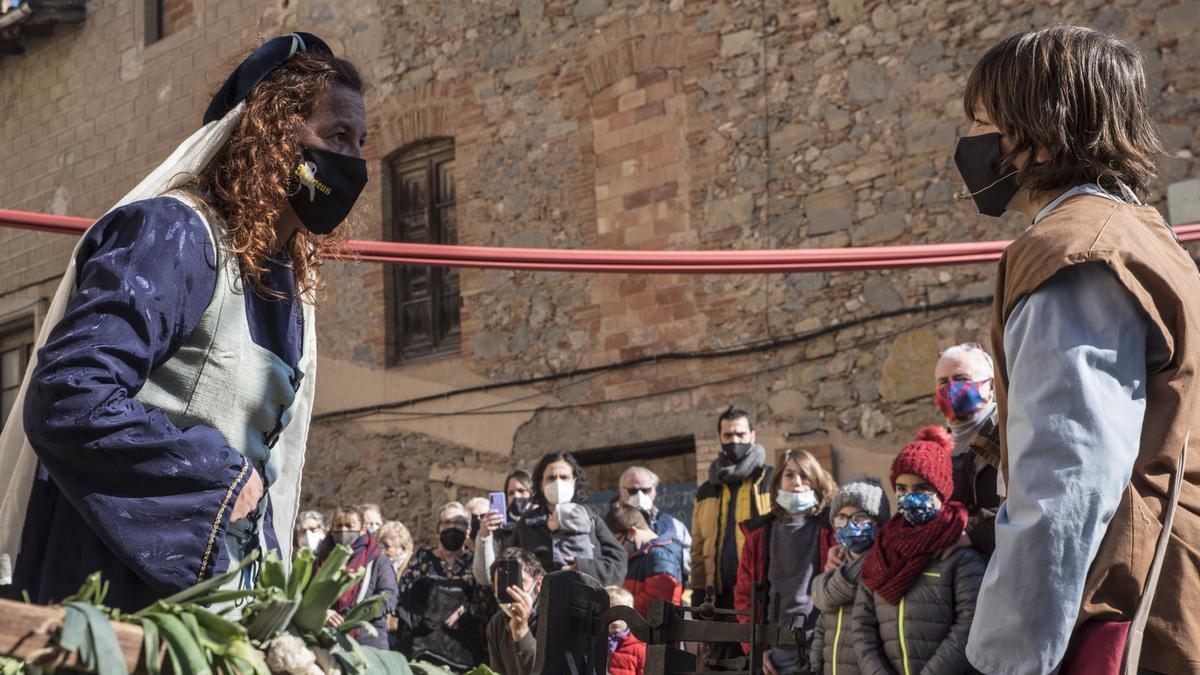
165	416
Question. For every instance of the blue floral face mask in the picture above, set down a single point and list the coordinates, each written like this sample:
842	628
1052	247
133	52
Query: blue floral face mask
856	537
917	508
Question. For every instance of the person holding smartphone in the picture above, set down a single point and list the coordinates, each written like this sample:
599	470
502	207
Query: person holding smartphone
512	646
495	528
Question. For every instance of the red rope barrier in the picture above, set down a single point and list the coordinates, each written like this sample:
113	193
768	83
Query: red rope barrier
660	262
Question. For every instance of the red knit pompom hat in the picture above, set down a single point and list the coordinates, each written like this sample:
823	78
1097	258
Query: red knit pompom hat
929	458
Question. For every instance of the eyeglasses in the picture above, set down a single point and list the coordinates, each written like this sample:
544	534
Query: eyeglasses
635	490
455	522
860	518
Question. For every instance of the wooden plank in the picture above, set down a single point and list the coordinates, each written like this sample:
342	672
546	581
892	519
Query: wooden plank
28	632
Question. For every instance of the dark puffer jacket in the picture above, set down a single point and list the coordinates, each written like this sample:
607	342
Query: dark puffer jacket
927	632
833	594
532	533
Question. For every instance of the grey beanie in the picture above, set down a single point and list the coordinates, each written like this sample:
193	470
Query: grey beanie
865	493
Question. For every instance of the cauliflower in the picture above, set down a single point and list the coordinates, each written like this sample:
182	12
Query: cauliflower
288	655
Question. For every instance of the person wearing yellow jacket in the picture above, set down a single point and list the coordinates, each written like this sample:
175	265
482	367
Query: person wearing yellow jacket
738	489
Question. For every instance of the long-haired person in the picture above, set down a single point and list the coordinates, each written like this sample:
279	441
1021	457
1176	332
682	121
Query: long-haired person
159	436
559	528
783	551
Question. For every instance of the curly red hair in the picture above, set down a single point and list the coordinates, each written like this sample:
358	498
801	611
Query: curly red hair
247	182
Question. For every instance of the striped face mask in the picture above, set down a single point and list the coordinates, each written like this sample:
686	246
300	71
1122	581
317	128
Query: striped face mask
961	400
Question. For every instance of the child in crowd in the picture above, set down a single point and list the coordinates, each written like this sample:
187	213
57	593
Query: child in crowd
655	569
784	550
573	538
626	653
856	511
914	610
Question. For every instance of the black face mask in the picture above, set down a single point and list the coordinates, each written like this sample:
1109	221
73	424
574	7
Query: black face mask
981	164
518	507
324	188
736	452
452	539
475	520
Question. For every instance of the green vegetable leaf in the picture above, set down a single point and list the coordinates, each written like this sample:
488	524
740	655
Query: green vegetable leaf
103	651
182	645
366	610
151	647
273	573
302	568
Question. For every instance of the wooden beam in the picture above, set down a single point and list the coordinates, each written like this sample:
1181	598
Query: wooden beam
29	632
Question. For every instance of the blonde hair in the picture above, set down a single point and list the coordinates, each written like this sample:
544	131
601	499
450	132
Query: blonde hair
822	483
618	595
394	529
478	502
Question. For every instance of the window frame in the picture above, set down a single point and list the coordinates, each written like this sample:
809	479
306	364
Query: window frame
444	337
15	336
154	21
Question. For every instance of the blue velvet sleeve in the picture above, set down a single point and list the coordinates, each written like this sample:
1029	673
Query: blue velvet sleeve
159	497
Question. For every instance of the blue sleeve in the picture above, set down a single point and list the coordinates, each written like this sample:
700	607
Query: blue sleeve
667	560
158	496
685	539
1077	371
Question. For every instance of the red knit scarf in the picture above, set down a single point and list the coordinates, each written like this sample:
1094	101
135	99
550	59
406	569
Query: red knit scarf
902	551
366	550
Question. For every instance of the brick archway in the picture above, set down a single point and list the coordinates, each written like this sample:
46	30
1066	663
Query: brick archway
420	114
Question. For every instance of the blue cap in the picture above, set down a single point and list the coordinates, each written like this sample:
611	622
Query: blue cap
258	65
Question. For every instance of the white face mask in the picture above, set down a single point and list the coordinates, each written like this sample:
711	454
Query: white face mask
399	561
796	502
640	500
559	491
314	539
373	528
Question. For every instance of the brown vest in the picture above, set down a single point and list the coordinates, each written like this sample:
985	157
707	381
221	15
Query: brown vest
1136	245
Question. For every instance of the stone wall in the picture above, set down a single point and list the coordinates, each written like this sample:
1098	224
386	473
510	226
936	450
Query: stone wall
717	125
606	124
86	113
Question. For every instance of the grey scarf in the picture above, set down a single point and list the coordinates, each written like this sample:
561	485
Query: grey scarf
963	433
723	471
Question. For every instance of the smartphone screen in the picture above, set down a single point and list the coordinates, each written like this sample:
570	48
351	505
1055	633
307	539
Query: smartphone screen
499	504
508	573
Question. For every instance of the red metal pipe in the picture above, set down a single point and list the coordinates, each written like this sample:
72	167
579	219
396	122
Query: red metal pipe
629	262
735	268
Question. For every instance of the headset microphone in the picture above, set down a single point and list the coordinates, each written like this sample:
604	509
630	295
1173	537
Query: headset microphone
960	195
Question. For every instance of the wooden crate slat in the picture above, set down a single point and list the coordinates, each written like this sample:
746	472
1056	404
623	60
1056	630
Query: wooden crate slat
26	629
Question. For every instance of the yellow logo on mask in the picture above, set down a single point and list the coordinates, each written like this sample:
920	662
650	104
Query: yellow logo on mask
306	172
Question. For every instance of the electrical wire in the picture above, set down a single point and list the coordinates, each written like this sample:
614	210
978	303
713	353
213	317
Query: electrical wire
766	117
750	348
418	416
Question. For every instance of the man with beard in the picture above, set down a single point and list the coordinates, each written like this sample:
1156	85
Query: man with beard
737	489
